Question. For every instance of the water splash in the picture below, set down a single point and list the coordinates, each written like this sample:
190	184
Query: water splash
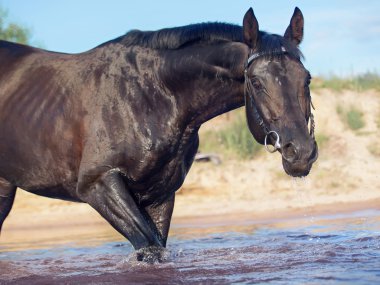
302	187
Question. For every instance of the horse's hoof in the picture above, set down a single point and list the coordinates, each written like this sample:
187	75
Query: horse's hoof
151	254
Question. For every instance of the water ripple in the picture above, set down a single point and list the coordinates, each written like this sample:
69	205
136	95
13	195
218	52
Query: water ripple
268	254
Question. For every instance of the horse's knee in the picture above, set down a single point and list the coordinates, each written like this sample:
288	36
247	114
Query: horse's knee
91	185
109	195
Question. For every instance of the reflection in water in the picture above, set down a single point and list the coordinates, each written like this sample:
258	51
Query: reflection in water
340	249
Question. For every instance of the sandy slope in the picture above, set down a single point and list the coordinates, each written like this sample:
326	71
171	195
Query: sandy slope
346	176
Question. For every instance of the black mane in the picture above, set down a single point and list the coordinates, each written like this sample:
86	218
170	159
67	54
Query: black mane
174	38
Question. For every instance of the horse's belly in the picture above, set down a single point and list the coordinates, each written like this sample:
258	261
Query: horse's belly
63	192
40	175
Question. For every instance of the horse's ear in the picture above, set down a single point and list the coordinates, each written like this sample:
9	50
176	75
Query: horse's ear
250	29
294	32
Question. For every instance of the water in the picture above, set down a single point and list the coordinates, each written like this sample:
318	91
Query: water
340	249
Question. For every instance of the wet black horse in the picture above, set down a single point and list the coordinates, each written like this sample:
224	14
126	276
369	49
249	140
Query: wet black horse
117	127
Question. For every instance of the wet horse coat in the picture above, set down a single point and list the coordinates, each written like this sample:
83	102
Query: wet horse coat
117	127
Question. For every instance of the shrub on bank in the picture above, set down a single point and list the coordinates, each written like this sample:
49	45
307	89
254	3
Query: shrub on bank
352	117
234	140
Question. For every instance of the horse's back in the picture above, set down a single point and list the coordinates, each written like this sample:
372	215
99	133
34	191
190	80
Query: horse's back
39	125
10	55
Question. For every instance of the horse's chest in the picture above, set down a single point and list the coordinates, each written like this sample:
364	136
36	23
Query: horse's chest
168	177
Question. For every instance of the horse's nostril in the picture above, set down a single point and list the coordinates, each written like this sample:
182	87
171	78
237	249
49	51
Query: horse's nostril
289	152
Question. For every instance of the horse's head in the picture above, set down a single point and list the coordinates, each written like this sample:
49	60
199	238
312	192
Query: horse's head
277	95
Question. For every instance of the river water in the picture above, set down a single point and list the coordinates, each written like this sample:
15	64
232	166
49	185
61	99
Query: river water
339	249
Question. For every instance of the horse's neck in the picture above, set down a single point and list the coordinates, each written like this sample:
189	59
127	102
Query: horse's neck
209	81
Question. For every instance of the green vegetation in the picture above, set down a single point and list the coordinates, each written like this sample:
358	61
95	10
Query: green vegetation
235	140
12	31
355	119
362	82
352	118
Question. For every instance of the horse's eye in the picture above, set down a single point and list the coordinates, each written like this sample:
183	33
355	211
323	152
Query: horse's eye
308	81
256	84
307	85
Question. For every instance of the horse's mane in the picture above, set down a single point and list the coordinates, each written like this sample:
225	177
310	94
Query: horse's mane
174	38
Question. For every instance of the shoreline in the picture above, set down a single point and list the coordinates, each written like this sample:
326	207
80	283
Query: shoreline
262	217
84	227
62	214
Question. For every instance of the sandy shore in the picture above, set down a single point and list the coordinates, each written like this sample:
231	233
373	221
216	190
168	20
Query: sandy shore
345	178
46	222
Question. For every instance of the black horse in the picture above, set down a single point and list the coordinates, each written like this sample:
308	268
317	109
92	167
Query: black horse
117	127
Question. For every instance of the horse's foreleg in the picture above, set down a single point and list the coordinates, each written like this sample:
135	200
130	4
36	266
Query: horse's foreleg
110	197
161	216
7	196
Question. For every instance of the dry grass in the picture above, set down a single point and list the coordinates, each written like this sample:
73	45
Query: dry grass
359	83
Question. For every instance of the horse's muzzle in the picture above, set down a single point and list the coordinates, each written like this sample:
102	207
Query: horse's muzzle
296	161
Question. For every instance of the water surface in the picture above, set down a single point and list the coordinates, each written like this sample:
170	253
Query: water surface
340	249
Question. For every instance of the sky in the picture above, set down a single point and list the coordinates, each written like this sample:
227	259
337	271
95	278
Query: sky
342	37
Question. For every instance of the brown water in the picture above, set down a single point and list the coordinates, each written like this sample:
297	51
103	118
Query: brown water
340	249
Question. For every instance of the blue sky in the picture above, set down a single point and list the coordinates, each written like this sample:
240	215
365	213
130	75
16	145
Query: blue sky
342	37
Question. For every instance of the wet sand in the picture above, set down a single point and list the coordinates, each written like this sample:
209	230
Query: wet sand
38	222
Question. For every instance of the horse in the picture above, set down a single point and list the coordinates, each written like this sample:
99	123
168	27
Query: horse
116	127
